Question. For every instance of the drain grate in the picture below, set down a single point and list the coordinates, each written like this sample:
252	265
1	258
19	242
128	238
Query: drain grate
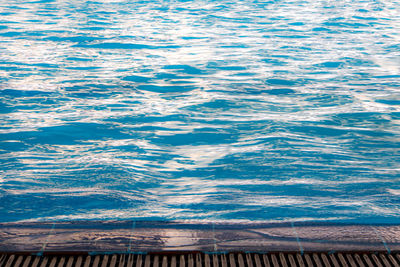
204	260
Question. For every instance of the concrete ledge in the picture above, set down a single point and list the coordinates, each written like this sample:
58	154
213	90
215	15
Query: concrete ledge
151	236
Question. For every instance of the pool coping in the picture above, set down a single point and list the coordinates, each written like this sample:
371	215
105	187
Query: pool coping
141	237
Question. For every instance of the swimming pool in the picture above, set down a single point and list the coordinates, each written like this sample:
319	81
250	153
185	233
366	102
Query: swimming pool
200	110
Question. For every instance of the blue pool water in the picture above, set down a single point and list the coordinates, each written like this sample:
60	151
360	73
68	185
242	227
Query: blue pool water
200	110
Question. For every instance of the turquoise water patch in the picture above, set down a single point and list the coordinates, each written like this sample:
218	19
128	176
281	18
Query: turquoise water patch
271	111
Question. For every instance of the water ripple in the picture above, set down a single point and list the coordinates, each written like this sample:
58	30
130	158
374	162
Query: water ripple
200	110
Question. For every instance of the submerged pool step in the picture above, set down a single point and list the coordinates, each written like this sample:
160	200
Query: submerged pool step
204	260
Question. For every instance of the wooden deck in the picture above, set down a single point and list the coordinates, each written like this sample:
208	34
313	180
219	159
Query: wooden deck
282	259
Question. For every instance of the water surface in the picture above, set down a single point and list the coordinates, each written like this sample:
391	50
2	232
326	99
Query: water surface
200	110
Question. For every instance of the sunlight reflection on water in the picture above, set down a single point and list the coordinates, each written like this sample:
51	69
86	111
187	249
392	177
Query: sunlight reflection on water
200	110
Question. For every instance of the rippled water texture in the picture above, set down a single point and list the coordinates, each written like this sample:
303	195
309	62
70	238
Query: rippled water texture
200	110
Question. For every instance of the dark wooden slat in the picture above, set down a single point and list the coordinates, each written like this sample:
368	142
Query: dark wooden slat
54	261
61	262
350	260
393	261
376	260
78	262
367	260
292	261
104	261
18	261
96	261
249	260
173	261
27	261
156	261
224	263
215	261
240	261
129	262
70	261
165	261
35	262
257	260
147	261
122	260
139	261
266	260
334	260
207	261
274	260
384	260
113	261
300	260
325	260
342	260
309	262
44	262
87	261
282	259
198	260
359	260
2	259
317	260
232	261
190	260
398	257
